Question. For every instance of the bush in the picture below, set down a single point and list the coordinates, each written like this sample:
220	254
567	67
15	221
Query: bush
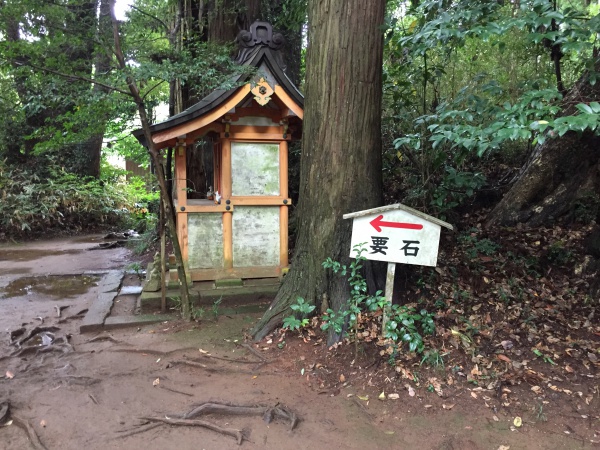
33	204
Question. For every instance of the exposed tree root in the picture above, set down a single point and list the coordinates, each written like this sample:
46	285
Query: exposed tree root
152	352
33	437
199	365
141	429
255	352
79	315
35	331
104	338
232	360
267	412
236	434
175	390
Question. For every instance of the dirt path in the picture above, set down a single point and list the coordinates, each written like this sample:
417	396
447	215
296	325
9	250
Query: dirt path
92	396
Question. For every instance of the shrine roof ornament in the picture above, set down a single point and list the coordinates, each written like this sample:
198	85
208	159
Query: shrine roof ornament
260	34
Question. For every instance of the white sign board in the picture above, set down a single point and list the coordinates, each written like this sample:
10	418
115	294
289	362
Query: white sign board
396	234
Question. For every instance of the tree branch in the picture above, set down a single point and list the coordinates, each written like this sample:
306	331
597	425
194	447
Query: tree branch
152	88
152	17
68	76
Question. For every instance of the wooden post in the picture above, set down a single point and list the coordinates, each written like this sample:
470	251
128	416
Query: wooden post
283	210
163	259
389	292
226	195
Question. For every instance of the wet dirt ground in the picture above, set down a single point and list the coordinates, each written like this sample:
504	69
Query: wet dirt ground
95	393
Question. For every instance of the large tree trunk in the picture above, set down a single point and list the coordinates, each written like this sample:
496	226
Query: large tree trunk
91	148
561	173
341	148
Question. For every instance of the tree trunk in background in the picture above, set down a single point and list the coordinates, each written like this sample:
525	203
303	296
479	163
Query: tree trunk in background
341	148
92	147
562	175
80	21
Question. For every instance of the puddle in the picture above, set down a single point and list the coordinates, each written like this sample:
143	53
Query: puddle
31	254
59	286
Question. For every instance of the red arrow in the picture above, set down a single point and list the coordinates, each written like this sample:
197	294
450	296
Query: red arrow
378	224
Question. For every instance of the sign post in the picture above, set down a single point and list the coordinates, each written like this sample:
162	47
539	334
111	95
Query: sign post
396	234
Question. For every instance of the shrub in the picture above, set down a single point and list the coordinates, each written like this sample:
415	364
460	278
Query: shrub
33	204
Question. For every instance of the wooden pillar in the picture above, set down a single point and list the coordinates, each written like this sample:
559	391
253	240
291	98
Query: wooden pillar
181	195
226	195
226	168
283	210
283	169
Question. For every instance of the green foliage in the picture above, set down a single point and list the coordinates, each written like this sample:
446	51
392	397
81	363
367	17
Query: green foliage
473	245
407	325
358	293
466	80
558	254
299	320
32	204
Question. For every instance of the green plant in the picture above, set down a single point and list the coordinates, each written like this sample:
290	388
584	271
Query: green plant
198	312
299	320
558	254
215	308
404	324
176	303
358	295
538	411
434	359
474	246
407	325
137	268
544	357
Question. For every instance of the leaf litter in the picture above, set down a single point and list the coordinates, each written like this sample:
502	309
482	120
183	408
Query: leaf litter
517	328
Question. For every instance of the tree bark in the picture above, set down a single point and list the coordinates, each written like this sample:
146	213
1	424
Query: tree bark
561	172
92	147
341	149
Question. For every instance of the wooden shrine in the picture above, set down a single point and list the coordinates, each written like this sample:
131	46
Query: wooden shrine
238	228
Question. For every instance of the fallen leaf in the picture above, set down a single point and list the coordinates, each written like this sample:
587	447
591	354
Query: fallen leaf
255	377
428	406
156	382
342	378
393	396
473	394
389	432
203	351
503	358
495	417
448	406
9	375
364	398
518	422
381	396
536	389
504	447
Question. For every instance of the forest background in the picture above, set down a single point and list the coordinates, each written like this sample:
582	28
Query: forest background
474	96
